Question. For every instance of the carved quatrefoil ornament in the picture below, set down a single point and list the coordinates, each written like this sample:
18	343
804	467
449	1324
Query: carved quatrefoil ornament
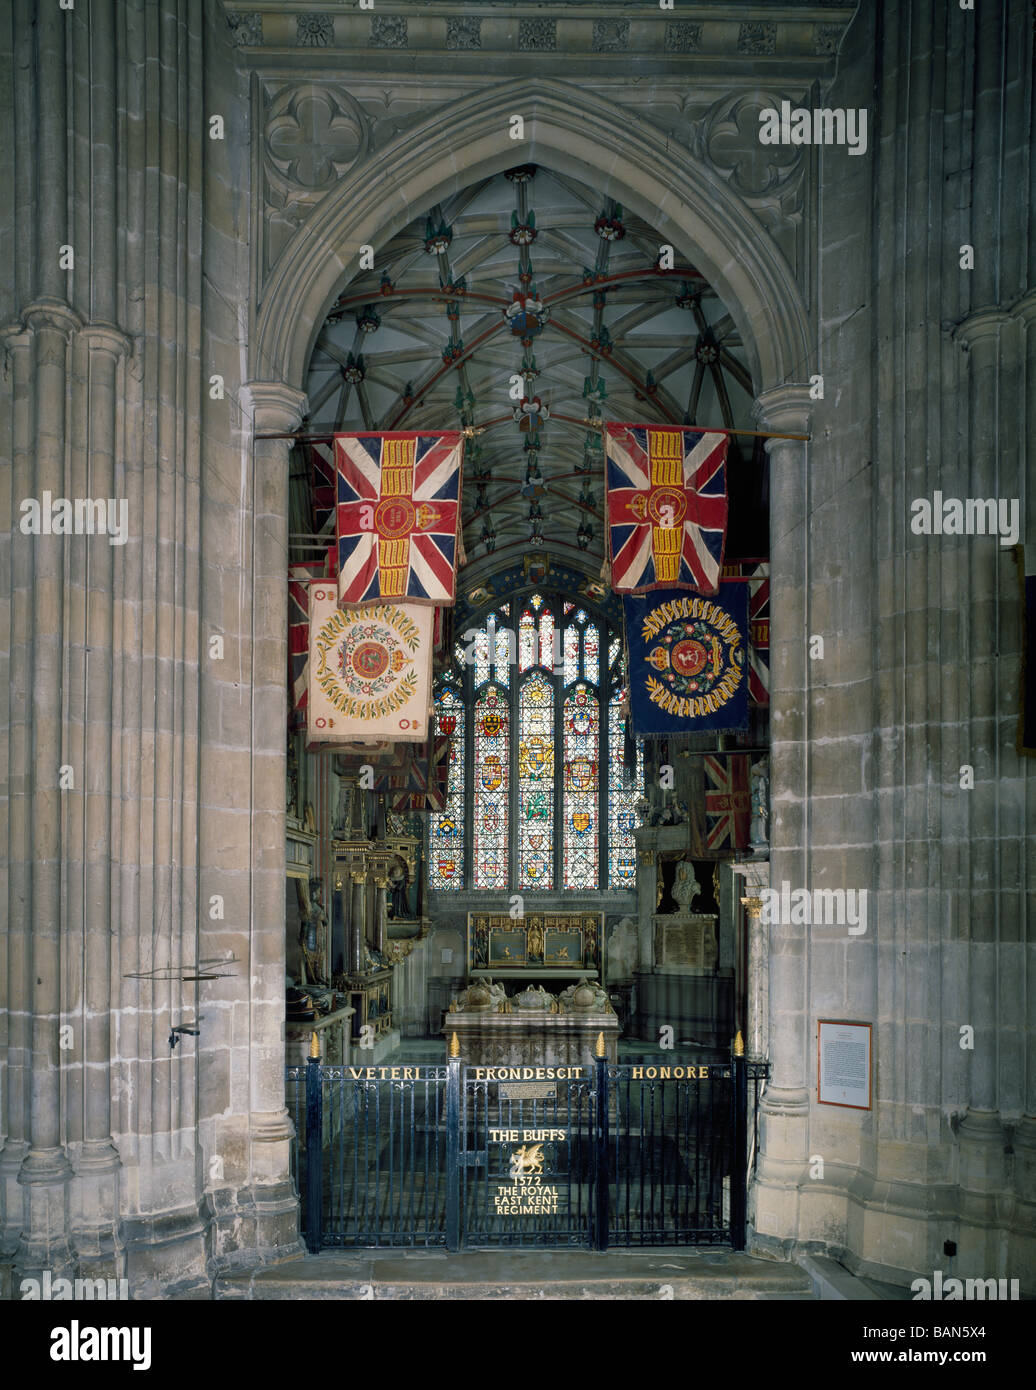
314	135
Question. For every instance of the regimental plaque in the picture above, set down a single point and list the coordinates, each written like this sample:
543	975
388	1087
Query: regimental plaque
528	1166
564	948
507	947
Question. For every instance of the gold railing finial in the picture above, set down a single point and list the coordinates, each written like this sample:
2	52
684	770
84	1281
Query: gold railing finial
599	1048
454	1045
314	1045
739	1045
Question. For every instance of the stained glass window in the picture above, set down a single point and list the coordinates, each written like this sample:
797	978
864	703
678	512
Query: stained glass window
623	789
582	759
591	655
527	641
536	784
446	827
570	649
491	771
481	649
504	655
546	737
547	641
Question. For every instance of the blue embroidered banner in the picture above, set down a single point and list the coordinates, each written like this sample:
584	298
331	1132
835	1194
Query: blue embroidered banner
688	664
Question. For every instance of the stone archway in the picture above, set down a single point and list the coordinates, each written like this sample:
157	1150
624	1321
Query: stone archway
574	133
635	164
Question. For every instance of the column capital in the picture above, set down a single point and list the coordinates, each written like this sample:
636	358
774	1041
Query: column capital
14	335
51	313
784	409
274	407
105	337
983	323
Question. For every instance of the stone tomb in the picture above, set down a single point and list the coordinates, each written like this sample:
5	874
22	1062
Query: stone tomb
533	1029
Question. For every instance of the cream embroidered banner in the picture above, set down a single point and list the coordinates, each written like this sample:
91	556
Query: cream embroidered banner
370	669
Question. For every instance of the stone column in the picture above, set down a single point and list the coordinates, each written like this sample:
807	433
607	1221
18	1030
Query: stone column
785	1106
44	225
17	1015
357	922
46	1171
758	981
89	855
981	1134
380	911
274	409
1025	1135
96	1220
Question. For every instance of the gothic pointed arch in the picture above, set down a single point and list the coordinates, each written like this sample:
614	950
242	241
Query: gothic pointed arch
566	129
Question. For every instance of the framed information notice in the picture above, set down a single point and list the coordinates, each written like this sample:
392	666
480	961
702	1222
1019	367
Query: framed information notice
844	1063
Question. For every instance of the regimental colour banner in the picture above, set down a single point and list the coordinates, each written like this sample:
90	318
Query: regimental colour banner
417	780
728	802
397	517
370	670
757	575
300	577
688	664
667	507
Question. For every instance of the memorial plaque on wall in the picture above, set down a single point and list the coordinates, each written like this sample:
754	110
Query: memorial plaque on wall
686	940
844	1064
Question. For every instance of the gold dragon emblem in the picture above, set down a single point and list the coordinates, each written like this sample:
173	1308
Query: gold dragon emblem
526	1160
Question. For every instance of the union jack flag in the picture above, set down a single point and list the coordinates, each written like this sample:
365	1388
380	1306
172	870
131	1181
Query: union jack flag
415	778
298	628
667	507
728	802
757	573
397	514
320	460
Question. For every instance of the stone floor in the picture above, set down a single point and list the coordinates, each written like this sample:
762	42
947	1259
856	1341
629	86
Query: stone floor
560	1275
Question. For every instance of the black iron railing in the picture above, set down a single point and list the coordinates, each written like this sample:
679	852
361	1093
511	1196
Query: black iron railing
647	1153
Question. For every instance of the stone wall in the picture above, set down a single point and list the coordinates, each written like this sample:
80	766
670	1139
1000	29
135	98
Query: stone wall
137	751
928	384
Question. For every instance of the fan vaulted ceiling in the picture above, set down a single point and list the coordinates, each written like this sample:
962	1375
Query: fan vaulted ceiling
528	282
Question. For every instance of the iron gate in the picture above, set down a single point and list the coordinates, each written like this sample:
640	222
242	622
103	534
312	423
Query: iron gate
648	1153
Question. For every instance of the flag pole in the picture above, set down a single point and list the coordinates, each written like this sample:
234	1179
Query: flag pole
301	437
